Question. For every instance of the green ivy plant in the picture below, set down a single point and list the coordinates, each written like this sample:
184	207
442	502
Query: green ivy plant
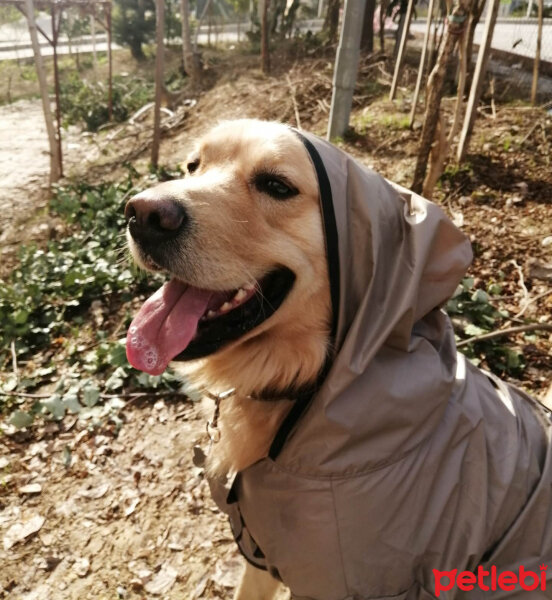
46	311
473	314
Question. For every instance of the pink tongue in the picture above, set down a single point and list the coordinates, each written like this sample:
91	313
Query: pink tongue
165	325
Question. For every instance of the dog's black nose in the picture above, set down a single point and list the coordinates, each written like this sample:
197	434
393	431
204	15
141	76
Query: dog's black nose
154	219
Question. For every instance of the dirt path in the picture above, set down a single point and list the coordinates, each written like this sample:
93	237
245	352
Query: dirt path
24	175
24	166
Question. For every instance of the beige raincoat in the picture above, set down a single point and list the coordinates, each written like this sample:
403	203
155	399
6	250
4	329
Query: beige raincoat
407	458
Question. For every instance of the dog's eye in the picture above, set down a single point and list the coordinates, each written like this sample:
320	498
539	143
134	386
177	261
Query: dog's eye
274	186
192	165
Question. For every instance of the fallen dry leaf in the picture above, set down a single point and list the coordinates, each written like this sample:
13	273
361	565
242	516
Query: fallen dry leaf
163	581
94	493
30	489
81	566
22	530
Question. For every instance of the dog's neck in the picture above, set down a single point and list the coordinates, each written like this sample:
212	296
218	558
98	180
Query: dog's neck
267	379
246	430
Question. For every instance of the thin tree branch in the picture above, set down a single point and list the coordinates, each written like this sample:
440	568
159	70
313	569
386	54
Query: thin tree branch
133	395
496	334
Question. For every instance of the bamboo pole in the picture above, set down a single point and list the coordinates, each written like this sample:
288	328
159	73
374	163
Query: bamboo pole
159	67
478	76
536	64
55	170
402	47
422	62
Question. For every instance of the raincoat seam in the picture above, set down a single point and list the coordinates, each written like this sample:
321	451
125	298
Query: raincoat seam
339	541
374	469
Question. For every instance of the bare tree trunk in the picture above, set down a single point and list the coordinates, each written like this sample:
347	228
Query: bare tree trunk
475	16
477	84
55	167
94	56
367	40
536	64
441	146
402	47
331	21
382	16
199	23
56	24
434	92
189	58
265	53
110	62
159	68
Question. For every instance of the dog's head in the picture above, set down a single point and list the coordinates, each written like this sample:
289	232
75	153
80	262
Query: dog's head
241	237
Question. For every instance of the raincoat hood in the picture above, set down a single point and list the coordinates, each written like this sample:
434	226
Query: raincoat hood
406	459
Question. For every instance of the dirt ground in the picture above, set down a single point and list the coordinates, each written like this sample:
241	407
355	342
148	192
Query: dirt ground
123	513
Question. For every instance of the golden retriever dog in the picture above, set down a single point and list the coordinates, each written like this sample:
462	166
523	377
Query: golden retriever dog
357	454
245	218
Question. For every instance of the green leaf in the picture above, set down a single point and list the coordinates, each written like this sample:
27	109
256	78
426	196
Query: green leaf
512	359
55	406
116	355
467	283
90	394
10	384
67	456
474	330
71	403
117	379
480	296
21	419
20	317
495	289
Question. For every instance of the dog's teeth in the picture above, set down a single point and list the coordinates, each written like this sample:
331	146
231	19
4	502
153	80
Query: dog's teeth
225	307
211	314
249	287
240	295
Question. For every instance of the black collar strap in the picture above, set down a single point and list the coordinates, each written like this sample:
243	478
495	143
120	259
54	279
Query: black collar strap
302	401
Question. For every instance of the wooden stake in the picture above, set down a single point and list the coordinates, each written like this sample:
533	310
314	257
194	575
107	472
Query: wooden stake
402	47
478	76
536	64
422	63
159	68
55	167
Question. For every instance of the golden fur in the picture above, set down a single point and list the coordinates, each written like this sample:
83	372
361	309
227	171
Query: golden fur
241	235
